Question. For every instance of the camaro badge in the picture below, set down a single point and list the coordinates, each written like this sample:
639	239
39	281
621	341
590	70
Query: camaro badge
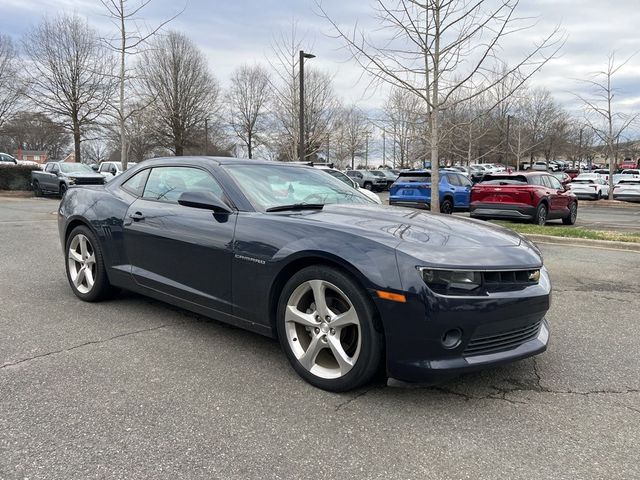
250	259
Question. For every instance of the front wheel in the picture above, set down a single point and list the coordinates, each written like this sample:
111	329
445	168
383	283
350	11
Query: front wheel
573	215
541	215
326	326
368	186
63	189
86	271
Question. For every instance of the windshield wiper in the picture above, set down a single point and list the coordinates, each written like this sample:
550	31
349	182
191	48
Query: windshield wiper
296	206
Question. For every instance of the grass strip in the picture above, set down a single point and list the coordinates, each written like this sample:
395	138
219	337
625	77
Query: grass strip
571	232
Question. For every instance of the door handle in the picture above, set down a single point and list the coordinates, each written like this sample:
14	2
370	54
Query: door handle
137	216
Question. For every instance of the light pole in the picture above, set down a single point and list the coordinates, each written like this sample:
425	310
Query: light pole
301	149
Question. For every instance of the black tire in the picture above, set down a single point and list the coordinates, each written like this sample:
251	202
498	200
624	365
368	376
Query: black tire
368	185
36	188
573	214
446	206
101	289
540	217
63	189
369	358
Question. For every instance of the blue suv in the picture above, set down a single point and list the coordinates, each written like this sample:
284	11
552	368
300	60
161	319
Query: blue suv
413	189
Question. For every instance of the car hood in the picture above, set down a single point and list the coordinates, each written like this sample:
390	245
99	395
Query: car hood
84	175
433	239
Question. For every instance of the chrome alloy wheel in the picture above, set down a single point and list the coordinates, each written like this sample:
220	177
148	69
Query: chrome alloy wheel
323	329
82	263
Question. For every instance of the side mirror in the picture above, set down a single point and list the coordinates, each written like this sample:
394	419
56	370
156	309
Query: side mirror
94	167
204	200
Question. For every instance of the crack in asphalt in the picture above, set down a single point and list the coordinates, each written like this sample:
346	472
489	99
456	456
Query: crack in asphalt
355	397
91	342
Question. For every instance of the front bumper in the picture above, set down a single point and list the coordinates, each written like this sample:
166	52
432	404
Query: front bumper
494	329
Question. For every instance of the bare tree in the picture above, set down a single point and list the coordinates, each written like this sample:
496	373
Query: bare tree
320	102
403	119
10	81
95	151
438	48
129	41
180	90
247	101
603	115
70	73
35	131
352	128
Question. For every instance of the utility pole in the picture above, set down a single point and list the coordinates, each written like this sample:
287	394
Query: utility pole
301	149
384	149
506	148
366	151
579	150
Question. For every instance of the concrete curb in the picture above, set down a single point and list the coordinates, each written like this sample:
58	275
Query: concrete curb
584	242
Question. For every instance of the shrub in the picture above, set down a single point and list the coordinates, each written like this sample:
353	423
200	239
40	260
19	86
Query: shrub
16	177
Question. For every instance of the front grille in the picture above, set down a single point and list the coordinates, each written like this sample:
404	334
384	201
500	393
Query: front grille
509	279
89	181
497	342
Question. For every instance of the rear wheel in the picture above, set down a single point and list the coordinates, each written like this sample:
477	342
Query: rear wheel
446	206
573	215
541	215
325	324
86	271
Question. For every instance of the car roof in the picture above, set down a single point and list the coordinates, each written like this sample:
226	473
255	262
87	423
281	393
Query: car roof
518	174
202	161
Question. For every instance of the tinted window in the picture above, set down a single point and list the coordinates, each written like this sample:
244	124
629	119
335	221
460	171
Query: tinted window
166	184
135	185
536	180
555	183
454	180
464	181
49	167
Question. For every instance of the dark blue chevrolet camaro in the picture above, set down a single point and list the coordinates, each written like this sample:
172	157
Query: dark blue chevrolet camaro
347	286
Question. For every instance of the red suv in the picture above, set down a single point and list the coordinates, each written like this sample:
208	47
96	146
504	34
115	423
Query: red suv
534	196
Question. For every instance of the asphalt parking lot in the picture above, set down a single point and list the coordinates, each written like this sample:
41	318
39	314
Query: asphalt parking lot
133	388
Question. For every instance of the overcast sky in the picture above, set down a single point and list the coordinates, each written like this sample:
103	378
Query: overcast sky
234	32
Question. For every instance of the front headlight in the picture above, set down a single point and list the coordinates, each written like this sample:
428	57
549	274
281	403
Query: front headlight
450	282
72	180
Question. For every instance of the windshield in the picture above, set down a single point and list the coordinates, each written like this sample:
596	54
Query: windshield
376	173
269	186
75	168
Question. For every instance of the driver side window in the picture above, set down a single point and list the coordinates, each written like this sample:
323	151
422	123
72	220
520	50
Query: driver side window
166	184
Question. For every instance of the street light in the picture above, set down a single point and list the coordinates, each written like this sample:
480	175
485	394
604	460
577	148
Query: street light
301	150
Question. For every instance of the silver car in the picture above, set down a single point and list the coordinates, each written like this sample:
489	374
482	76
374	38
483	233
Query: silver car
367	180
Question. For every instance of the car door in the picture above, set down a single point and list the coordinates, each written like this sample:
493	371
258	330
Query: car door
558	201
50	180
182	251
463	192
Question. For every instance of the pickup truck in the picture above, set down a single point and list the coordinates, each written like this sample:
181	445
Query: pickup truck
58	177
110	170
366	179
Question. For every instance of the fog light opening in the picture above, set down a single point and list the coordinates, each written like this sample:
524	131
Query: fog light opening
452	338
